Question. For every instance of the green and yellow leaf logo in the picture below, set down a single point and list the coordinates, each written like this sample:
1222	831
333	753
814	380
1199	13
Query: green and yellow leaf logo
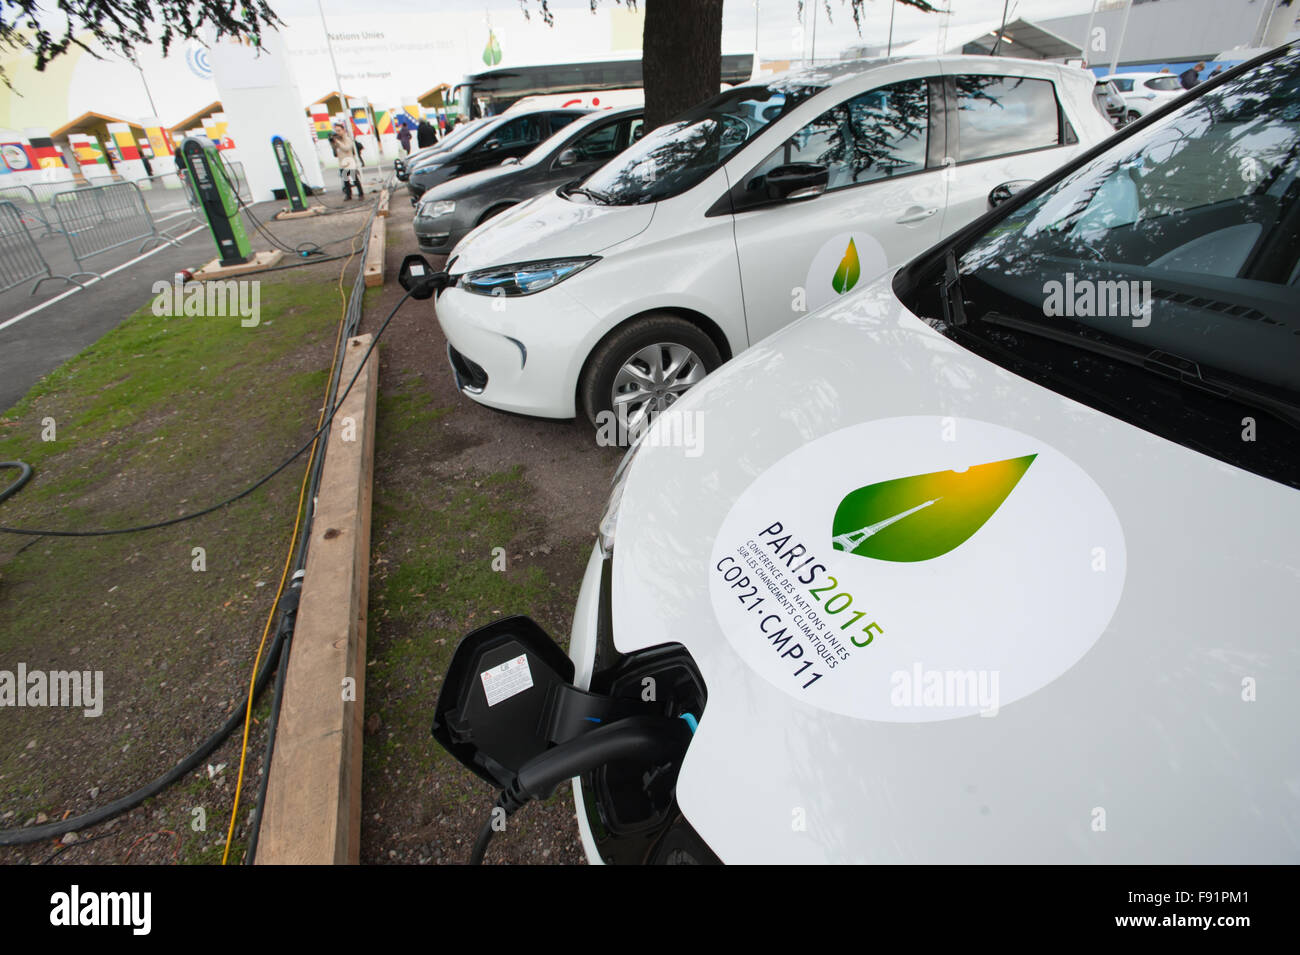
850	269
924	516
492	52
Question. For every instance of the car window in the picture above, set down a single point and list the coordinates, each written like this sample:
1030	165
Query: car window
1124	86
560	120
875	135
519	132
682	153
600	143
1178	250
1165	84
1002	115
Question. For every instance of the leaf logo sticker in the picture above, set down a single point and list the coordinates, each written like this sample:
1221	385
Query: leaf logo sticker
850	269
492	52
924	516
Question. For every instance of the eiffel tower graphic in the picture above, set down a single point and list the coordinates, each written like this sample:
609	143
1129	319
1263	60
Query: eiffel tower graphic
849	542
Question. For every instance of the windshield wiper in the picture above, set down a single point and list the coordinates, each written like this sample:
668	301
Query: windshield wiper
954	309
1173	367
597	197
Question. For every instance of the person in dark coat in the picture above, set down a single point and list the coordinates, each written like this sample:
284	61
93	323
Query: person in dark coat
404	137
425	135
1190	77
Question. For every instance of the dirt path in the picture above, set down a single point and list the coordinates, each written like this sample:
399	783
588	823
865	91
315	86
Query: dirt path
453	480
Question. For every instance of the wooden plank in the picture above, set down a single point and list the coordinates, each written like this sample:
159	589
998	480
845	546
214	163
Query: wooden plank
375	254
382	211
313	800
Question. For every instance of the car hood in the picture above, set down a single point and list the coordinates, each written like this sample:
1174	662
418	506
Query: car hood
484	179
549	226
1065	637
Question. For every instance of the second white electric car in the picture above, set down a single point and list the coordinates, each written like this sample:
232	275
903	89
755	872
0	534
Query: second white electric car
730	221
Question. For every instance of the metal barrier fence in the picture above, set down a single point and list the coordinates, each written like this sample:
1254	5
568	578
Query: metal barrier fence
170	199
105	217
34	200
20	260
242	188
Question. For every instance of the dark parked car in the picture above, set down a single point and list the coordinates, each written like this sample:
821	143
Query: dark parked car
449	211
506	136
402	165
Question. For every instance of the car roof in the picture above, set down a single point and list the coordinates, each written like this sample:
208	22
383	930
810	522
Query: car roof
832	74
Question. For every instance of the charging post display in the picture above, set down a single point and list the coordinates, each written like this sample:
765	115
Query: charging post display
293	187
218	200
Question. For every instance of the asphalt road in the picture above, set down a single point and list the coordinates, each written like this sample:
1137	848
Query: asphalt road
39	341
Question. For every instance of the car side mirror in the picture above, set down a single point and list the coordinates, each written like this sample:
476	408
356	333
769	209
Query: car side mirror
567	158
418	277
798	180
1007	190
492	145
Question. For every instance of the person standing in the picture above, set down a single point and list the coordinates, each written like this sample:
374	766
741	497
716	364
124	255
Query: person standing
404	137
344	147
424	134
1190	77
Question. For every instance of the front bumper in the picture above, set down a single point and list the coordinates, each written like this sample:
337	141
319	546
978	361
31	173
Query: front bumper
530	348
439	235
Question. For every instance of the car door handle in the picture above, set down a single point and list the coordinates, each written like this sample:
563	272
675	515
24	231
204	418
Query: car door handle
916	215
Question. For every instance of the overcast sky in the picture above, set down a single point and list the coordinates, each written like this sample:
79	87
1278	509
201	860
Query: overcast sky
776	19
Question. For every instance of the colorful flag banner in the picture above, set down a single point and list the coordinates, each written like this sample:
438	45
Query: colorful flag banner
87	150
320	120
124	140
17	156
47	154
160	141
384	122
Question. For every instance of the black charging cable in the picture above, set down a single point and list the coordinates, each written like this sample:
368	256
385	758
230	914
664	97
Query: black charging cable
653	738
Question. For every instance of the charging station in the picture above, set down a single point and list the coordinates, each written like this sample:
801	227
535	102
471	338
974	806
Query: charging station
287	161
217	199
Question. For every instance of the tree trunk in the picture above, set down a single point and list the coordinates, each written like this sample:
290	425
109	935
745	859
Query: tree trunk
681	56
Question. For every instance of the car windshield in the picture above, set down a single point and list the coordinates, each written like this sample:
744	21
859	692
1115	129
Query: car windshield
1181	242
1164	84
685	151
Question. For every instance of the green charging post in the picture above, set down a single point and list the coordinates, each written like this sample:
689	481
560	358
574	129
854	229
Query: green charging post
293	187
217	199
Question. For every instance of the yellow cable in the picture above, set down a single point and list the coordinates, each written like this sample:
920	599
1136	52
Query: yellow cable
288	562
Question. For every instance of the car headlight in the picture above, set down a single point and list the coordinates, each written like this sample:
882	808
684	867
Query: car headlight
432	210
524	278
609	520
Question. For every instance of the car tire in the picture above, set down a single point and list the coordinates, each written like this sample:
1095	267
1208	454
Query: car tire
493	212
627	358
1132	117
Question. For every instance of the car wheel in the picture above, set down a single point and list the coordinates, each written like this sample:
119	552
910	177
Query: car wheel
1133	116
641	369
493	213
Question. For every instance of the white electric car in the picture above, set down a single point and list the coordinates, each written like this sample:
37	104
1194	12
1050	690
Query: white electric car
1144	92
995	560
729	222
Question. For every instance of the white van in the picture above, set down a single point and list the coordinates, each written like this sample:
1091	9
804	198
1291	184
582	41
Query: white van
727	223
